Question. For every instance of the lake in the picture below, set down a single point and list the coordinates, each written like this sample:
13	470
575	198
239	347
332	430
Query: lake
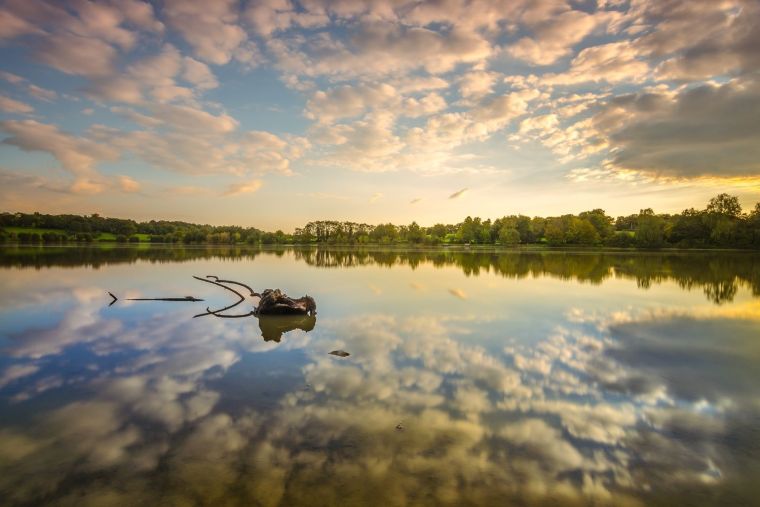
474	378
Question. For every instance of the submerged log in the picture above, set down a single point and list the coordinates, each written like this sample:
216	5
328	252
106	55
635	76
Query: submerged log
274	302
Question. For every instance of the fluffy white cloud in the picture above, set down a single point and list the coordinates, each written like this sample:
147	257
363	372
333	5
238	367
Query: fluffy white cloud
77	155
83	38
554	37
199	74
613	62
157	76
350	101
247	187
379	49
74	54
475	85
211	28
128	184
270	16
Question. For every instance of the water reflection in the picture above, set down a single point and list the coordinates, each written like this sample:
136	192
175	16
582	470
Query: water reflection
622	404
274	326
719	274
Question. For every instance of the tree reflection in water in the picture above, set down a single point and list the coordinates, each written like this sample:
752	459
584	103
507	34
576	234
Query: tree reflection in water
719	274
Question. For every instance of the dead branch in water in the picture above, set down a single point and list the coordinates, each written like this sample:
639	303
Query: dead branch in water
271	302
253	293
186	298
216	312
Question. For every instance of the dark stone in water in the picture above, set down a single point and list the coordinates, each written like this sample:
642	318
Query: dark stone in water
340	353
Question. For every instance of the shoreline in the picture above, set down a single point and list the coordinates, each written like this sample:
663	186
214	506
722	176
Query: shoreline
378	246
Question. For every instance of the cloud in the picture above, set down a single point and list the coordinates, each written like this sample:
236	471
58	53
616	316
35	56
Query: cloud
700	40
136	117
77	155
12	78
401	86
349	101
192	120
41	93
365	145
193	141
156	75
475	85
613	62
554	36
544	124
73	54
248	187
199	74
379	48
32	89
424	106
416	84
269	16
128	184
210	28
12	26
9	105
458	193
707	130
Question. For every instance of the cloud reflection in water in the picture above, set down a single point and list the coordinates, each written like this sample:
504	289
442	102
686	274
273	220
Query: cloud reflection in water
631	407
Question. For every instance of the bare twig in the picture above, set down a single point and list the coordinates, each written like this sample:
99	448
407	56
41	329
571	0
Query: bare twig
215	313
186	298
253	293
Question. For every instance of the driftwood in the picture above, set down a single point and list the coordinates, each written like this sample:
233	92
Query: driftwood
274	302
186	298
216	313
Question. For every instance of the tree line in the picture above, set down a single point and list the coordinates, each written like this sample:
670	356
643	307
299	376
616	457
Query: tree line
722	223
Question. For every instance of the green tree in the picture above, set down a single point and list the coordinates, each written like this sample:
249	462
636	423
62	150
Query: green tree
582	232
689	228
414	233
509	236
600	221
651	230
555	231
724	204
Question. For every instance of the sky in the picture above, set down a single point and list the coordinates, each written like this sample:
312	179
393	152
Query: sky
274	113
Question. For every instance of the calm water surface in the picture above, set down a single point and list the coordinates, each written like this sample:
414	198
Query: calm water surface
474	378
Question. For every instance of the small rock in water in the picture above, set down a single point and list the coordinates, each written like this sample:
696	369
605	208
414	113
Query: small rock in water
340	353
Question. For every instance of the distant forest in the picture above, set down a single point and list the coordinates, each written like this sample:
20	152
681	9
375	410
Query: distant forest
721	224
